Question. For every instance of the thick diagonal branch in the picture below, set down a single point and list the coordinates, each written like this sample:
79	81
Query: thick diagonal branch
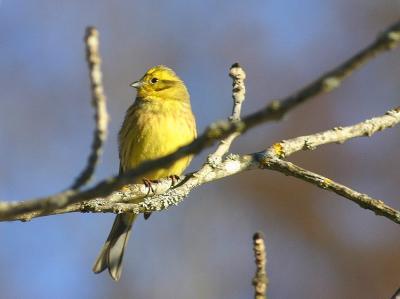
165	197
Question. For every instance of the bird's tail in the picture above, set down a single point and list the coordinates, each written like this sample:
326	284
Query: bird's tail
112	253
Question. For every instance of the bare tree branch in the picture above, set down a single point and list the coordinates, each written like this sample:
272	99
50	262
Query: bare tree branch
336	135
99	105
238	76
260	280
271	159
363	200
70	200
165	197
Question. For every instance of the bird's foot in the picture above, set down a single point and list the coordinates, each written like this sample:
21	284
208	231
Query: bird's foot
175	179
149	184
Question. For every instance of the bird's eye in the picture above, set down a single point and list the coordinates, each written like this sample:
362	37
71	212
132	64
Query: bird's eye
153	80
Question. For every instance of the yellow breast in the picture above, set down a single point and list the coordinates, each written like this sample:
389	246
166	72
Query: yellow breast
153	129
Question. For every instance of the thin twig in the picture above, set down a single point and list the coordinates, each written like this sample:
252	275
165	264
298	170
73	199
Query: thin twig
238	75
363	200
99	105
217	131
367	128
260	280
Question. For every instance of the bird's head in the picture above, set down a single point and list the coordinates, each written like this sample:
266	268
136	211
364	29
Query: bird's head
161	83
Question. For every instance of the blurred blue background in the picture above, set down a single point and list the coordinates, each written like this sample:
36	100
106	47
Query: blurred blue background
319	245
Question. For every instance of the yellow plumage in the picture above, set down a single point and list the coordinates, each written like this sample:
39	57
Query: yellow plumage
158	123
154	129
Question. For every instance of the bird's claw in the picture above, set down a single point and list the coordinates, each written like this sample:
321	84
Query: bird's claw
174	178
149	184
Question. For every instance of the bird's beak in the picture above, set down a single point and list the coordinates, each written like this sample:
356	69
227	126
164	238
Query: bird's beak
136	84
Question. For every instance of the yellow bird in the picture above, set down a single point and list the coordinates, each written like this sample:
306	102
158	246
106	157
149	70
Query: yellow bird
156	124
